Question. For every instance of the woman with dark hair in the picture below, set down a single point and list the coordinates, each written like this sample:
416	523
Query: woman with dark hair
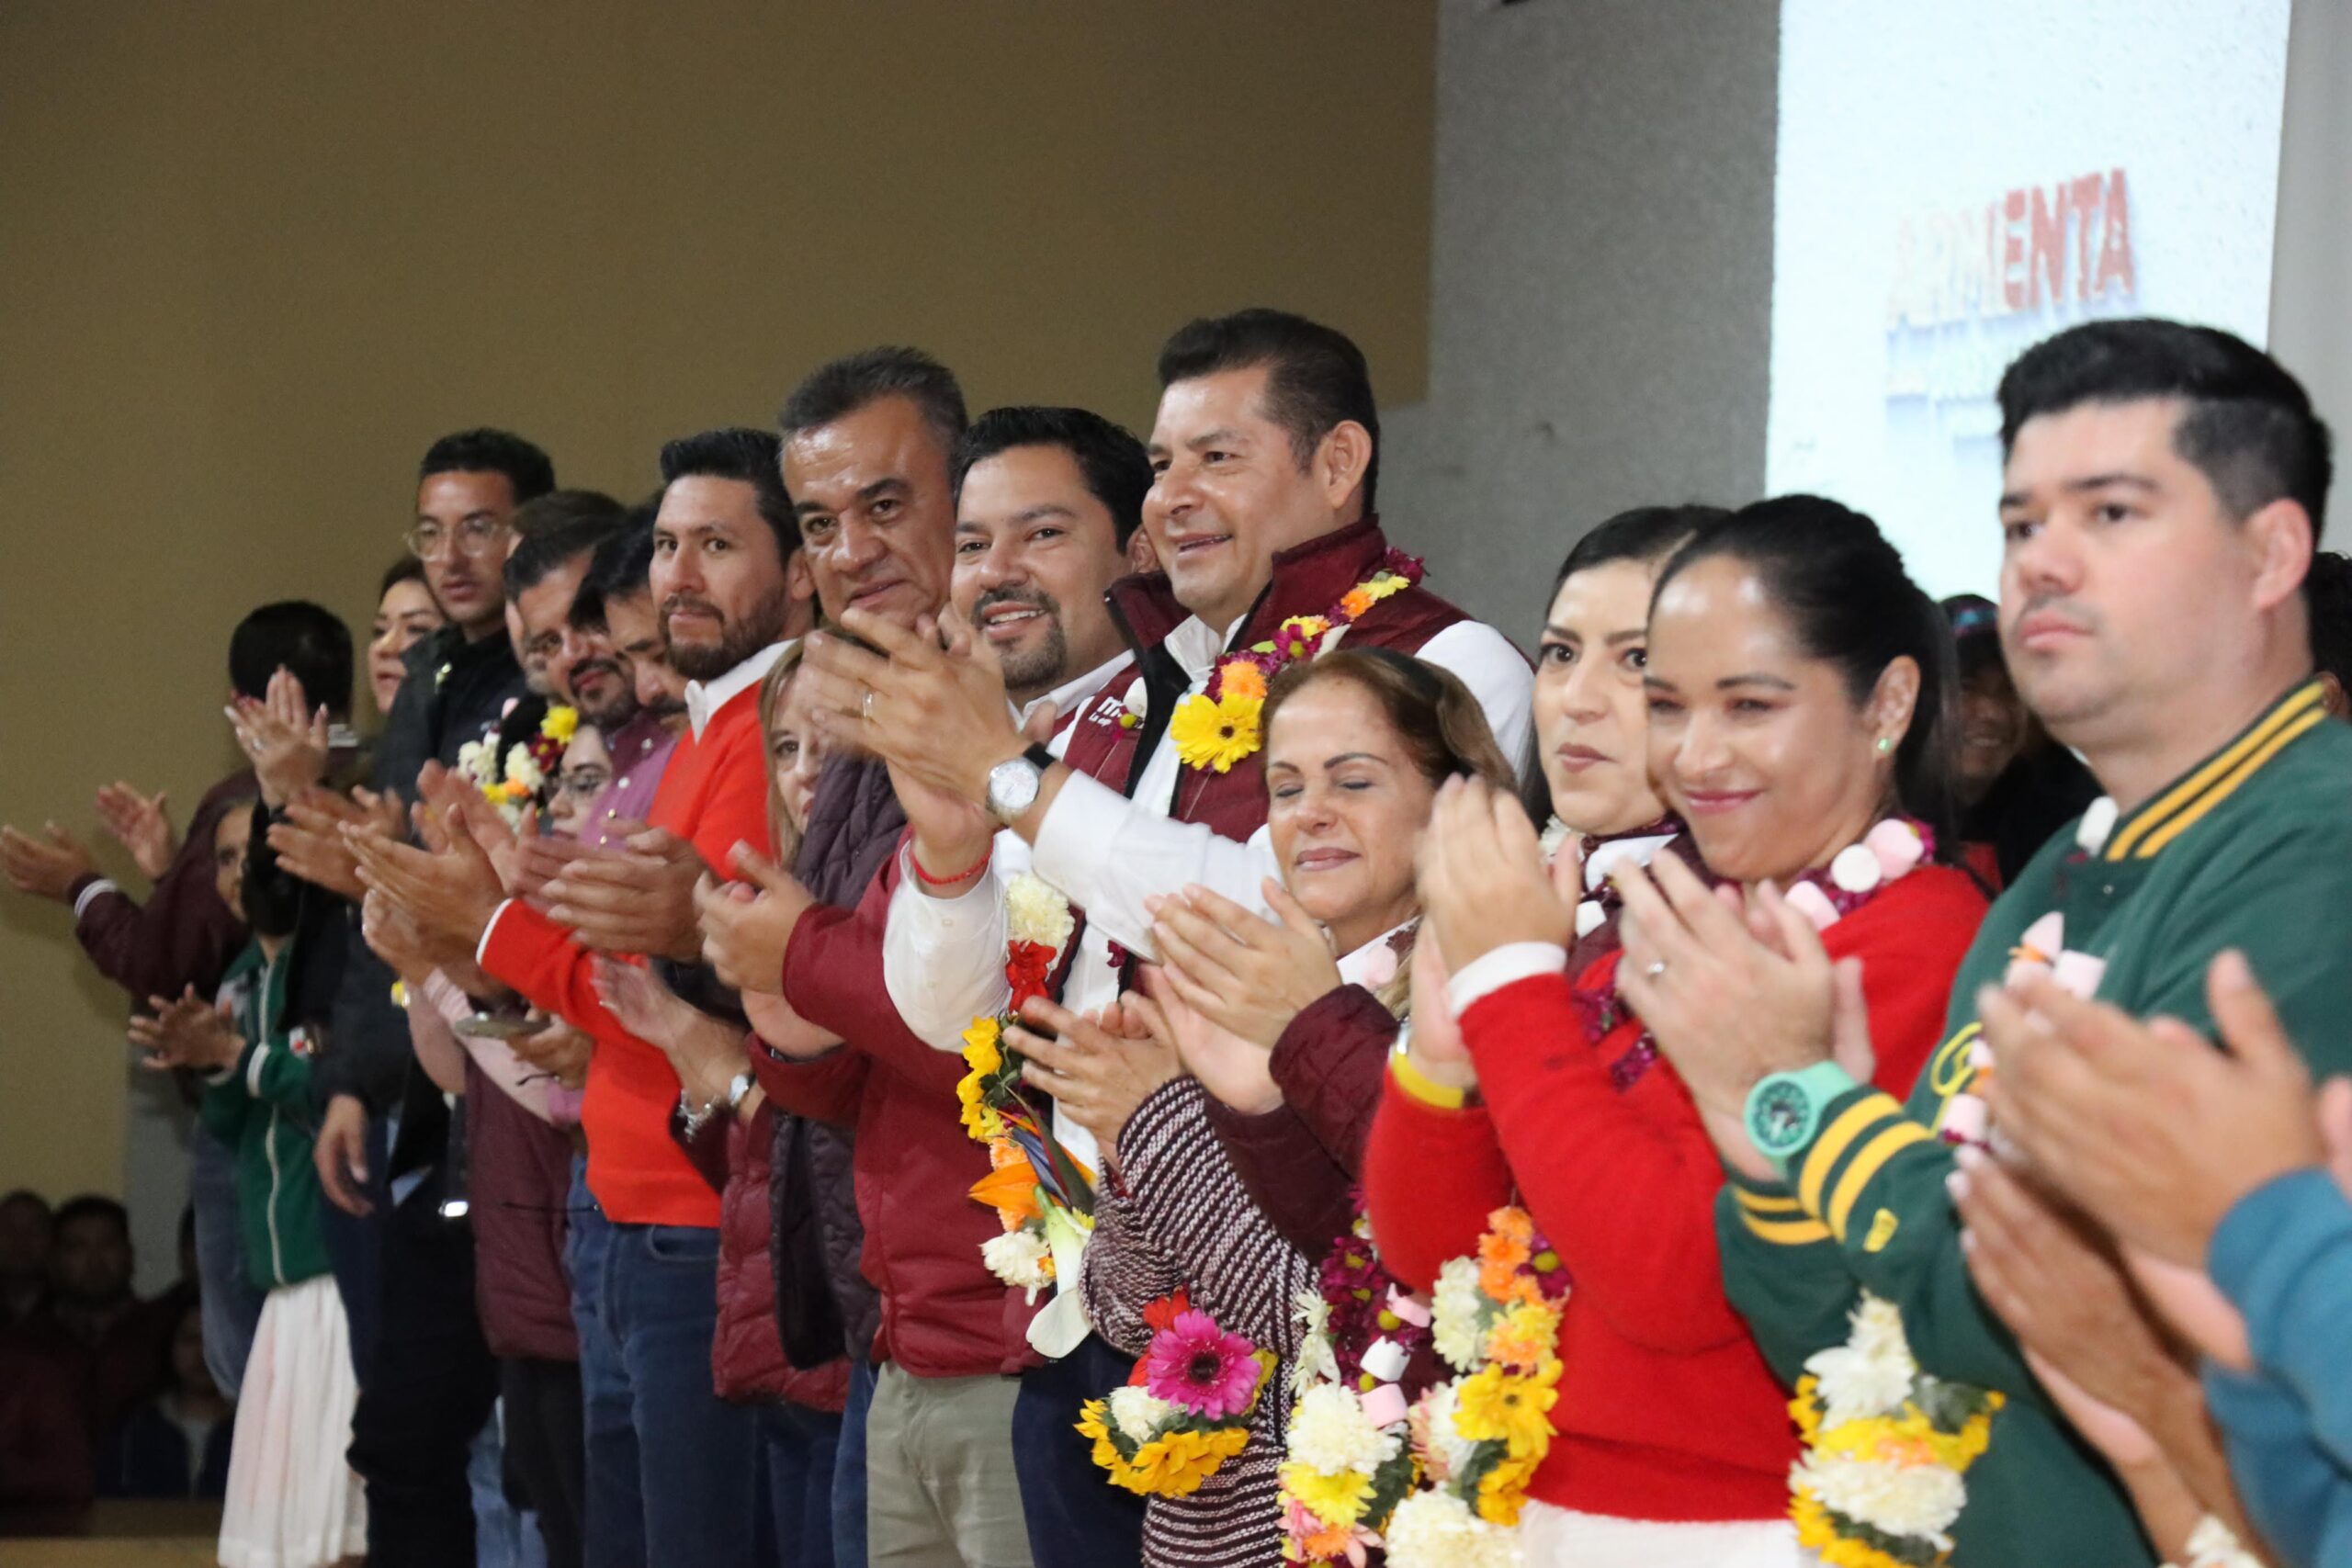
1798	691
406	614
1357	744
2017	785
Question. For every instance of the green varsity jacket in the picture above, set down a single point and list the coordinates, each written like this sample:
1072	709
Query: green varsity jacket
261	1109
2250	849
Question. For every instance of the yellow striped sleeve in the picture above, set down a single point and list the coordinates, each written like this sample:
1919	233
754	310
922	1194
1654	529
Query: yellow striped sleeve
1864	1115
1777	1218
1883	1145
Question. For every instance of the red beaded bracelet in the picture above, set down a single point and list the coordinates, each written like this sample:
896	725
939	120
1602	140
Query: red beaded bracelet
965	876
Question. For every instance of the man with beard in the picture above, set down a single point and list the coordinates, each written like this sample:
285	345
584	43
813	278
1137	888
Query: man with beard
620	626
672	1469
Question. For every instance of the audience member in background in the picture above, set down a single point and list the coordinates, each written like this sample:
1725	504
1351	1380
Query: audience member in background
2328	592
292	1499
45	1476
27	1227
175	1445
115	1348
405	616
2018	787
585	773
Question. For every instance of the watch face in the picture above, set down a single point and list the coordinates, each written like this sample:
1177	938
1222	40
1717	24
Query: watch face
1012	787
1780	1116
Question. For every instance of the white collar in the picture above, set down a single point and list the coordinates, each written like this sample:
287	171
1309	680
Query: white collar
1364	965
1196	648
1070	696
703	699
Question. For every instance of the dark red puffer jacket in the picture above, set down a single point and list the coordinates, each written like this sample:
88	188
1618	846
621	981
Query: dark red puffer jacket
747	1361
519	1182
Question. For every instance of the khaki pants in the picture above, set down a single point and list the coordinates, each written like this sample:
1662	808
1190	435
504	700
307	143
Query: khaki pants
940	1486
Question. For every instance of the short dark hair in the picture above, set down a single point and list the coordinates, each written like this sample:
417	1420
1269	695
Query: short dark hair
1112	462
2249	427
622	569
528	473
308	639
553	529
739	452
1842	588
841	386
89	1204
2327	597
27	1195
1645	534
408	569
1316	377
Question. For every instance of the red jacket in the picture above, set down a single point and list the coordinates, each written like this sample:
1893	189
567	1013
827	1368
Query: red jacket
942	1312
747	1361
715	795
519	1176
1667	1410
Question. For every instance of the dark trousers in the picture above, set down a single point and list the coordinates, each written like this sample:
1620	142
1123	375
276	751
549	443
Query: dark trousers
849	1468
423	1394
1075	1519
355	1245
673	1471
799	1446
547	1458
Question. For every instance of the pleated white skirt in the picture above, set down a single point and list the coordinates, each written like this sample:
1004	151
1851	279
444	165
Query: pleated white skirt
1561	1538
293	1500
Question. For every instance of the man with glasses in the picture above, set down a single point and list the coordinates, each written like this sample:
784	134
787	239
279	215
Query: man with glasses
405	1269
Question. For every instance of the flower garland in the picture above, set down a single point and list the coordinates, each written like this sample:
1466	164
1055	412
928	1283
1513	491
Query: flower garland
1480	1436
2213	1544
1044	1197
529	765
1885	1446
1348	1454
1887	854
1185	1410
1217	727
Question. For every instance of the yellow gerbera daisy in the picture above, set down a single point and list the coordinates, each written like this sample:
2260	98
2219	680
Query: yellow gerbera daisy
1334	1499
561	724
1215	734
1508	1408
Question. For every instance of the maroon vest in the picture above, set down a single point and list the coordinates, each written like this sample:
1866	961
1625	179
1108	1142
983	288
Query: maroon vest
1307	580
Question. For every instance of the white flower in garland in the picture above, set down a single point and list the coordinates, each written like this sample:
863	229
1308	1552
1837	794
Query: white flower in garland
1450	1451
1137	1414
1459	1310
1920	1500
1437	1529
1020	1258
1315	1361
1871	1372
1330	1433
1034	911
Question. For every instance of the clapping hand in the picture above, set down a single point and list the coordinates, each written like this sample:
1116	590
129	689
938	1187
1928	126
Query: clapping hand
746	926
48	869
310	842
638	902
706	1051
450	898
1098	1068
1482	880
1239	970
186	1031
1237	1071
929	701
287	746
142	825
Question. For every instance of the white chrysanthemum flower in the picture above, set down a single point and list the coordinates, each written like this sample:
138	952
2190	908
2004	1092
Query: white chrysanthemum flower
1138	1414
1437	1529
1330	1432
1871	1374
1457	1312
1313	1362
523	769
1454	1451
472	760
2212	1545
1556	833
1034	911
1920	1500
1020	1258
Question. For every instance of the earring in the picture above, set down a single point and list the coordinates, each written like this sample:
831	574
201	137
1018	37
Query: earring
1884	745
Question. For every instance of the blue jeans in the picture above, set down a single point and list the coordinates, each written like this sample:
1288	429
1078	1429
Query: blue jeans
232	1301
849	1468
1075	1520
800	1446
673	1471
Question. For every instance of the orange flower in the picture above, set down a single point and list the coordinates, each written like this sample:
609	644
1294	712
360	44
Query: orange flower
1242	679
1355	602
1011	1190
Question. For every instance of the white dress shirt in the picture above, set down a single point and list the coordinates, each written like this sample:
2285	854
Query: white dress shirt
704	699
943	958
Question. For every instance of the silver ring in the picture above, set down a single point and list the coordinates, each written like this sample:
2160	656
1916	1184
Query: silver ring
1656	967
866	708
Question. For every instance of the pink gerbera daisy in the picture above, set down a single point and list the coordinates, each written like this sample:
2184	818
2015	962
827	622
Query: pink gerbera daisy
1194	1363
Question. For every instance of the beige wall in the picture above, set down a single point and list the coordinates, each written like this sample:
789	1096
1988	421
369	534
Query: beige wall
252	256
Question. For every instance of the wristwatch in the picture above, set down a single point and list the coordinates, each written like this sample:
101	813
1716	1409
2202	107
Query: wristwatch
1784	1109
737	1087
1013	784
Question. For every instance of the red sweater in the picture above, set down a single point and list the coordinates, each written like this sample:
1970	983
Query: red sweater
1667	1410
715	795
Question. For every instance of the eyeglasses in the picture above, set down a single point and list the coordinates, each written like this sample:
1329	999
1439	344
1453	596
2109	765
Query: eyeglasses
474	536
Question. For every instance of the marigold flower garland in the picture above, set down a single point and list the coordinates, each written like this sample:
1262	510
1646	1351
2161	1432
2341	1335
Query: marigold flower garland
1347	1457
1044	1197
1480	1436
1879	1484
1217	727
1185	1410
527	768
